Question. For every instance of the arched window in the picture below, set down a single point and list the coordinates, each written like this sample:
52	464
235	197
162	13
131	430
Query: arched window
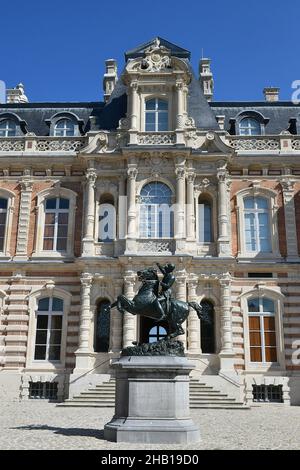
257	225
205	220
3	214
156	217
8	128
249	126
64	128
49	329
107	219
156	115
56	224
157	333
262	331
208	328
102	330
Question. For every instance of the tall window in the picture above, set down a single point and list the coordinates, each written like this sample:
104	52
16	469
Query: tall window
249	126
208	328
64	128
156	118
156	217
257	225
102	332
205	220
261	312
3	213
48	329
8	128
56	224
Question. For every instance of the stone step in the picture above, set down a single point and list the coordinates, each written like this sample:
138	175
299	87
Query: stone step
201	396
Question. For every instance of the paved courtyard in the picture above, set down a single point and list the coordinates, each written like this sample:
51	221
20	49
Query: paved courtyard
42	425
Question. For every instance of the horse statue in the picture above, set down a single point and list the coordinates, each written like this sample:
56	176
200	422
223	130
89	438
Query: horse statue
154	300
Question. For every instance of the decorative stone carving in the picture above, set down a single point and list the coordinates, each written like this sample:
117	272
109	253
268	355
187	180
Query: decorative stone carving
157	58
12	145
153	246
255	144
165	138
49	145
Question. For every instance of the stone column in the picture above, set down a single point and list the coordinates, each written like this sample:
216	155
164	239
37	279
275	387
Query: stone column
129	320
180	105
131	209
116	330
290	218
134	113
180	113
194	325
223	209
181	295
89	218
85	313
180	203
24	219
190	208
226	355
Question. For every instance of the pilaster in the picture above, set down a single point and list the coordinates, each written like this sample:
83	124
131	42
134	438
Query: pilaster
129	320
290	218
89	225
24	219
227	354
223	210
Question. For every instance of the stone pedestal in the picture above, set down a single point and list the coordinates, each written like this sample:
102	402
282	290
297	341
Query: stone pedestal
152	401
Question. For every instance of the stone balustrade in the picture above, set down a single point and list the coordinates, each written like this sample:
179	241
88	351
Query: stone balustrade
42	144
264	143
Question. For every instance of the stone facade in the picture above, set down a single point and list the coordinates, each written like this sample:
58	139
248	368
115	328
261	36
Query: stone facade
109	160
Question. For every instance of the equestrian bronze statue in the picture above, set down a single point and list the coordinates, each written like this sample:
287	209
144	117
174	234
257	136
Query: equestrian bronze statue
155	300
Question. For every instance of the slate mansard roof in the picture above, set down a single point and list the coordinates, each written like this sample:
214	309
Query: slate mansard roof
36	117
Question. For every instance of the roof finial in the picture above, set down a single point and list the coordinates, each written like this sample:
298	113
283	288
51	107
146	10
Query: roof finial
157	42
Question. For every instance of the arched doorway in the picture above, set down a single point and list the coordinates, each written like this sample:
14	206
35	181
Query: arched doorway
208	343
151	331
102	327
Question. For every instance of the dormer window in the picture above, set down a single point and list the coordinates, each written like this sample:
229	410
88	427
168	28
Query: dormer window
249	126
64	128
8	128
156	118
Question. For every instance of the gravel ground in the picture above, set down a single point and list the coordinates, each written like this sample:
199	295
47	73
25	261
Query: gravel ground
42	425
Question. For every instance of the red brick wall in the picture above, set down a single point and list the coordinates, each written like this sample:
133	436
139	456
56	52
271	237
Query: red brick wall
297	210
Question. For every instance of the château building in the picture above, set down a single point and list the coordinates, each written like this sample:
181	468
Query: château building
91	192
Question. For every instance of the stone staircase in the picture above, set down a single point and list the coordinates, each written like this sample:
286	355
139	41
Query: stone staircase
201	396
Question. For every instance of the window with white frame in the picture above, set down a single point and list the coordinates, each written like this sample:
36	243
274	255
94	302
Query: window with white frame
249	126
8	128
3	216
64	128
48	329
156	115
56	224
156	216
262	330
205	220
257	224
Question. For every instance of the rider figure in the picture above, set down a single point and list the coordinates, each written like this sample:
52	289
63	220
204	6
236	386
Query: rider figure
166	283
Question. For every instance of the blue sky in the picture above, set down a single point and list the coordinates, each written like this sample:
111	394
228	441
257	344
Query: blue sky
57	48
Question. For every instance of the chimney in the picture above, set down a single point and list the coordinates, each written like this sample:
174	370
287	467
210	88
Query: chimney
110	78
271	93
206	78
16	95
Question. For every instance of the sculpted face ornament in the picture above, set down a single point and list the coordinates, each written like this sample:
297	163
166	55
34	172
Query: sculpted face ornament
155	300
